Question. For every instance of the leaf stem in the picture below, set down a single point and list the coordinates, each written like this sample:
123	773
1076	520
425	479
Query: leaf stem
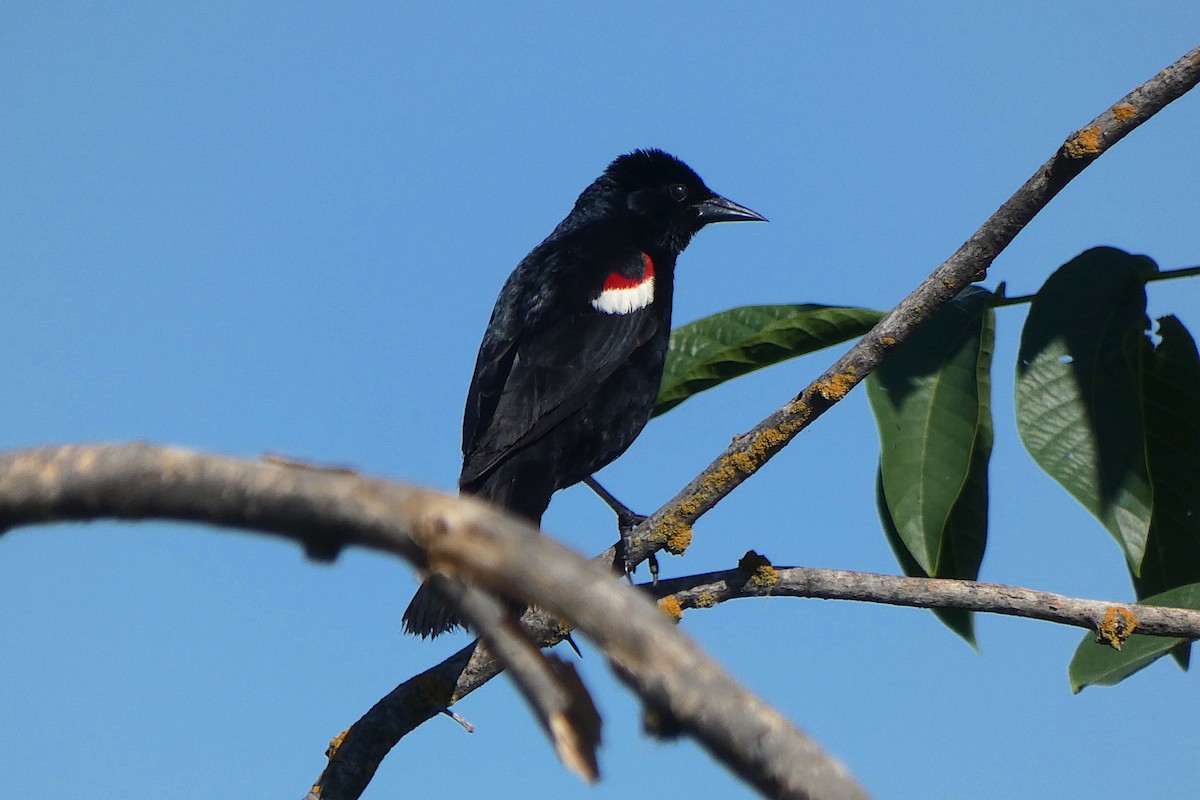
1165	275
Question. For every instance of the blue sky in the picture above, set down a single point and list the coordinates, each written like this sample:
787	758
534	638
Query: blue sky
282	229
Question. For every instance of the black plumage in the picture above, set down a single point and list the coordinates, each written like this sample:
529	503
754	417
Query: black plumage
571	362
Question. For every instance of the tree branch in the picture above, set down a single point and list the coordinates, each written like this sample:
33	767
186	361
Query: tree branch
704	591
670	526
463	538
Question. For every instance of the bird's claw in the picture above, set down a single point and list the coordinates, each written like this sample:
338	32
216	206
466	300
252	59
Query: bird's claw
627	521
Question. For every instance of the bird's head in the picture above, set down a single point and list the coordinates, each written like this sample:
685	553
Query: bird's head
668	200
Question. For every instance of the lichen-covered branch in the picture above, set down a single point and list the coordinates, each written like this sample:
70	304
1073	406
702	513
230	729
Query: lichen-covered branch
967	265
326	510
764	580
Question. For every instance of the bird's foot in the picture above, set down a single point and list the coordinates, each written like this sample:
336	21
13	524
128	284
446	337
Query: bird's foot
627	521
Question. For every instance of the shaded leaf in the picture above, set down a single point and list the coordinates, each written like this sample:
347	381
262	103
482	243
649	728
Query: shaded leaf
1100	665
932	406
715	349
1171	384
1171	400
1078	396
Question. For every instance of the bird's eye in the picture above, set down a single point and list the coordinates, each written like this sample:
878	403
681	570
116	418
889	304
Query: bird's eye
678	192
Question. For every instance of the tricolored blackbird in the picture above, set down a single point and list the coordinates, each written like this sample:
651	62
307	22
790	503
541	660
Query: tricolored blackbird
572	359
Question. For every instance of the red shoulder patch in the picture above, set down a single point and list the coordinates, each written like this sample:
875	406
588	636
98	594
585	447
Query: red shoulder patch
622	294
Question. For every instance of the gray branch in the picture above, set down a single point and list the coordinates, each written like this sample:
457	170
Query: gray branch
704	591
325	510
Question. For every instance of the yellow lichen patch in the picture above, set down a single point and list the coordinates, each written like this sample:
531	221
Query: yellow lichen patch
766	442
837	387
706	600
716	480
888	341
1084	143
757	570
774	438
679	538
1124	112
798	407
1118	624
666	530
336	744
670	606
745	461
742	462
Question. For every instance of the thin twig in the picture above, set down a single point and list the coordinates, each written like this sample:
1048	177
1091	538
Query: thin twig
1165	275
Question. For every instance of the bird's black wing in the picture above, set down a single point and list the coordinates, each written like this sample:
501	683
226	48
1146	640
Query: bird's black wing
528	382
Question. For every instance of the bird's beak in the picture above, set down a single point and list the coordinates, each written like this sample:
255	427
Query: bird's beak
718	209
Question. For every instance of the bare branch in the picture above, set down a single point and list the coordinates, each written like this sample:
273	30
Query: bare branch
462	538
703	591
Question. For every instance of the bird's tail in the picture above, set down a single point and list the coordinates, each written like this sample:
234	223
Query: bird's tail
522	492
428	614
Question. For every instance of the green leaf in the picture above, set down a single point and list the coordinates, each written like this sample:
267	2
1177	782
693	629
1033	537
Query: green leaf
715	349
958	620
1171	400
1079	409
1100	665
932	405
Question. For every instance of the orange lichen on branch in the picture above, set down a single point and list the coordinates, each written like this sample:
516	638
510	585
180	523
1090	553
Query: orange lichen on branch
838	386
1116	627
336	744
1084	143
757	569
679	539
766	442
670	606
1124	111
689	509
330	752
673	534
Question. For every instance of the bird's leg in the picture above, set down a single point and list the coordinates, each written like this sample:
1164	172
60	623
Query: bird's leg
627	520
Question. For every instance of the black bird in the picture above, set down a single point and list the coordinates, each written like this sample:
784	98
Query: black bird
572	359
